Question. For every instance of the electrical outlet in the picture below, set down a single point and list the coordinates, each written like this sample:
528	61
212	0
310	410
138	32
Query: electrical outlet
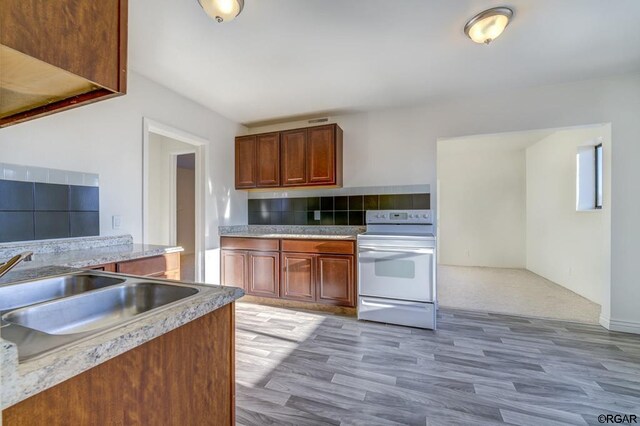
116	221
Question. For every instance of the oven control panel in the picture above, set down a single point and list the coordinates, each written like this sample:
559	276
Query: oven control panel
399	216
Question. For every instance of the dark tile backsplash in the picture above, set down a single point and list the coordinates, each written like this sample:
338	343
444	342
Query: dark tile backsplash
50	197
38	211
339	210
16	196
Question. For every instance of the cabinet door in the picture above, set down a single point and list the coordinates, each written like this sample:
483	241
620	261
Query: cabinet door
298	277
294	157
321	155
150	266
335	280
233	268
246	162
264	274
268	160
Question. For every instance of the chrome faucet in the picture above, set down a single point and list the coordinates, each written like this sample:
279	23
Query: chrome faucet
11	263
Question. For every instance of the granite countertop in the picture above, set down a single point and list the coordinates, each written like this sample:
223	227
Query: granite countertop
292	232
81	252
98	256
20	380
290	236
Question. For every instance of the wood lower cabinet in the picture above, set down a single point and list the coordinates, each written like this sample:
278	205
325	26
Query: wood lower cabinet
184	377
318	271
252	264
109	267
335	280
165	266
264	274
234	268
298	277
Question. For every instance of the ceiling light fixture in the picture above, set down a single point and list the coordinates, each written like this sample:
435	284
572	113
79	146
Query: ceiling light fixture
222	10
488	25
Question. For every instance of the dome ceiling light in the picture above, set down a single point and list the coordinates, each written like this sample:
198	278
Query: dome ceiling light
488	25
222	10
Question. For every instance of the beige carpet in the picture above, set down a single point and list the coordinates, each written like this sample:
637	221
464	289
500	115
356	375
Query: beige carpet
511	291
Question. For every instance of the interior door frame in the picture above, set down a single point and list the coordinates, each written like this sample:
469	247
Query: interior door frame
201	151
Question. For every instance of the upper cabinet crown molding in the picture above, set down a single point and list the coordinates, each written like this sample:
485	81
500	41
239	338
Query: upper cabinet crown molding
56	55
306	157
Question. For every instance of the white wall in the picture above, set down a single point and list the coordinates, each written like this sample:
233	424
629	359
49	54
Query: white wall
399	147
106	138
482	204
567	246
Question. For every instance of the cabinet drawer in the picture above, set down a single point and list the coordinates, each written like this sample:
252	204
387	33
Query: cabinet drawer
262	244
151	265
319	246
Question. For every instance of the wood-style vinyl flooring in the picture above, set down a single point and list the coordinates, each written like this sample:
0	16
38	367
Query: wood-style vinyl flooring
307	368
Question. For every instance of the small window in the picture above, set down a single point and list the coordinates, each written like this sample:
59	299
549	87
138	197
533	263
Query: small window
589	177
598	155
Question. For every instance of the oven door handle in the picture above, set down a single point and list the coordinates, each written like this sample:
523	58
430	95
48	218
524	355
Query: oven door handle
396	250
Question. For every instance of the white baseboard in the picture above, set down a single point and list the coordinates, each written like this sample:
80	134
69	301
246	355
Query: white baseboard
620	325
605	322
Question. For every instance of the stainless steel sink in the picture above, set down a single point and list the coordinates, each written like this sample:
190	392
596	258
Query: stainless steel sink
28	293
49	314
97	310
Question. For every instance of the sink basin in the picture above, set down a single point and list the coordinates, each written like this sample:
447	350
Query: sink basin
98	309
23	294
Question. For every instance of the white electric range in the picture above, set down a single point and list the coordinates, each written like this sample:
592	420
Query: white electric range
397	268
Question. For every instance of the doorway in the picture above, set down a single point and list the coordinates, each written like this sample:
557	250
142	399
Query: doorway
174	170
185	188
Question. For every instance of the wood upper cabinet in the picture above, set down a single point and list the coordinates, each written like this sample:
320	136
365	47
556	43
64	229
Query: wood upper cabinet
321	155
335	280
56	55
264	274
294	157
246	162
268	160
298	277
234	268
307	157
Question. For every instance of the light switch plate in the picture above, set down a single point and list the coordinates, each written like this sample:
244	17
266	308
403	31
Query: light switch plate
116	221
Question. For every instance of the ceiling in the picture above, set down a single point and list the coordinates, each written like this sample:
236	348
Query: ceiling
510	141
284	58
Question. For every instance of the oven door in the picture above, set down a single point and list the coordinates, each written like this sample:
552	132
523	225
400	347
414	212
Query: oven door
405	273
